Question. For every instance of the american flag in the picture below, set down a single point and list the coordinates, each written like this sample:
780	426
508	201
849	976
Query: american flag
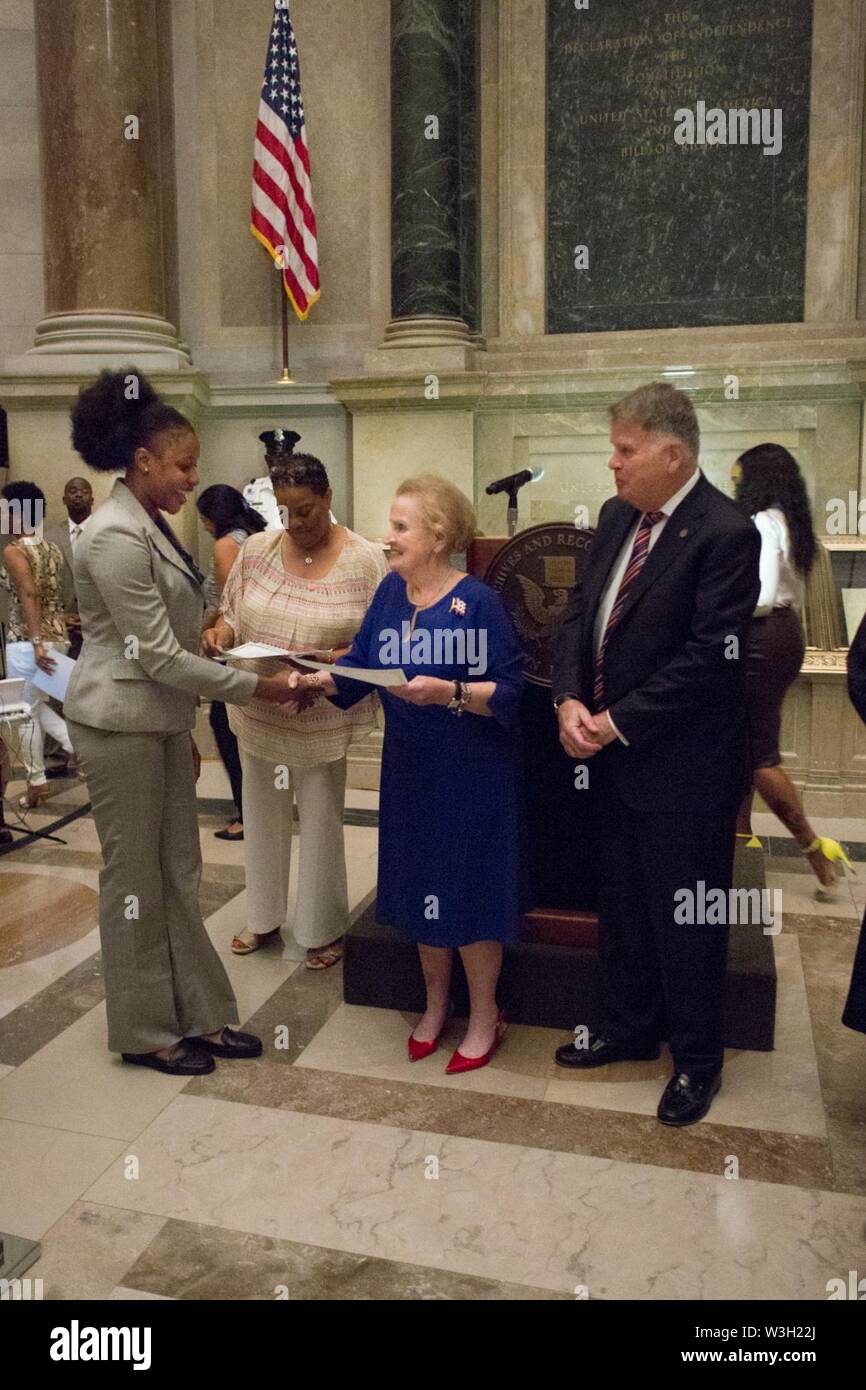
283	218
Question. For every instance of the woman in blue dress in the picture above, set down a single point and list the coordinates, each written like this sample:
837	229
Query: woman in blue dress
451	874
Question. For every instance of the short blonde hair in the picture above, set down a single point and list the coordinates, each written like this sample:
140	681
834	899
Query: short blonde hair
444	509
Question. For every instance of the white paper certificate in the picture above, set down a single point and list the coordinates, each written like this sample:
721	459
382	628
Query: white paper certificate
370	677
254	651
55	684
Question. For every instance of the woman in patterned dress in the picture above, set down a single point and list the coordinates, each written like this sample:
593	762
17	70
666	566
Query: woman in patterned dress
33	569
306	588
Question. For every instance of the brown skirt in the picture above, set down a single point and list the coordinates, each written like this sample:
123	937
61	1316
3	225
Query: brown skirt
775	648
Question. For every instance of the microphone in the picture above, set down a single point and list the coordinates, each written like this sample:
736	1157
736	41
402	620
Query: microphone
515	480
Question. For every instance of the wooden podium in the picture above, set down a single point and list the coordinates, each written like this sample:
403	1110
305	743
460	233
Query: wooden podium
560	832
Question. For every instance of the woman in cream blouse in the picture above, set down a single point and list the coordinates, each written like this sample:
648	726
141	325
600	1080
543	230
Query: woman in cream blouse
305	588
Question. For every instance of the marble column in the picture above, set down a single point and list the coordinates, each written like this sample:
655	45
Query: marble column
99	113
428	146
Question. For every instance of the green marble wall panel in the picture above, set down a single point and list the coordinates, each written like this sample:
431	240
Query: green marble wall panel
426	214
677	235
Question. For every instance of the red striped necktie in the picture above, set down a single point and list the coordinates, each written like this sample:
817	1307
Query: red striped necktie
637	560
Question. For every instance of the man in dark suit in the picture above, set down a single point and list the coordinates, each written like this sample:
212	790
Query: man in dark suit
647	681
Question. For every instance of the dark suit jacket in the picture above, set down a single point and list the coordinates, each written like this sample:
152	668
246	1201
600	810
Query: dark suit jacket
672	685
857	671
855	1006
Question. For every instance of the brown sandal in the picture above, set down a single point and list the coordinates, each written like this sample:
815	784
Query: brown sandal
36	793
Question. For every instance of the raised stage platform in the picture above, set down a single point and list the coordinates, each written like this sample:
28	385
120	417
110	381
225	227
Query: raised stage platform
551	984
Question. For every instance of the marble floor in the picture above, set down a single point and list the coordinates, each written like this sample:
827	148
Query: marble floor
331	1168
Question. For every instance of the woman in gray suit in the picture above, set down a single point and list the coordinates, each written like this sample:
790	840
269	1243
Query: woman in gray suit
130	708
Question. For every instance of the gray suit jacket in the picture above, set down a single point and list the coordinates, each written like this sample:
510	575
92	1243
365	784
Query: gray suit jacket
59	534
141	614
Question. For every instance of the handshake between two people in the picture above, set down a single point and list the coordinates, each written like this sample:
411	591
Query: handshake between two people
285	688
582	734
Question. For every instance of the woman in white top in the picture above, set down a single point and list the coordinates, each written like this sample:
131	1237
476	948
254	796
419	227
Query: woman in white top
769	487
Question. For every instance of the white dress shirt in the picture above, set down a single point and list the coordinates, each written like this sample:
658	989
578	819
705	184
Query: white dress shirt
75	529
618	569
614	579
259	494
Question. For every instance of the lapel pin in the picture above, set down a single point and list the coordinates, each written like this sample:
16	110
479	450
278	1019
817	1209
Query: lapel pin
684	533
458	606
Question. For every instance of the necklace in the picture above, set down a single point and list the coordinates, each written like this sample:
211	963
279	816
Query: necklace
429	604
308	559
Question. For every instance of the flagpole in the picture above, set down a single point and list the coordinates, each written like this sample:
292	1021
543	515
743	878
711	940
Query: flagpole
285	377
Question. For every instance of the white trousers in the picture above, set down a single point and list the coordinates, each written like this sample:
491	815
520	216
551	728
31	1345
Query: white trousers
21	662
322	909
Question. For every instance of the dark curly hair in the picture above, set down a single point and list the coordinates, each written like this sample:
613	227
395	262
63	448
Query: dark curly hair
771	477
301	470
23	492
226	508
108	426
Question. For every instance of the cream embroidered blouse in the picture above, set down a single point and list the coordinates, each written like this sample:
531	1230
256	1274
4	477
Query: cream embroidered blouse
262	602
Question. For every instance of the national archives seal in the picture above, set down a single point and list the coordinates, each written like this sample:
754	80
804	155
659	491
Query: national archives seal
534	573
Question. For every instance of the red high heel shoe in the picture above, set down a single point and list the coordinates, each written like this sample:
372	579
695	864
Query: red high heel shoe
460	1063
419	1050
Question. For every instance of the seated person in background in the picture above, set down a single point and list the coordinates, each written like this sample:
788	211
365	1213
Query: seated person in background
33	568
5	832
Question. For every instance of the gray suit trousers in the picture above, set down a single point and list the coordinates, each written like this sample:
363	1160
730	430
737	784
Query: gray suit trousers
163	978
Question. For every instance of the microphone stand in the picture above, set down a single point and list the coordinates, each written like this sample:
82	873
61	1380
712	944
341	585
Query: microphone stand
512	511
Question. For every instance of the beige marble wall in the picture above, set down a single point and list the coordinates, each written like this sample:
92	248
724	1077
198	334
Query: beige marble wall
835	160
229	292
232	453
40	451
21	288
388	446
521	171
571	444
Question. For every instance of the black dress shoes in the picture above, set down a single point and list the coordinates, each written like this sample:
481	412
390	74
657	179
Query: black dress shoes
184	1060
234	1045
687	1097
600	1051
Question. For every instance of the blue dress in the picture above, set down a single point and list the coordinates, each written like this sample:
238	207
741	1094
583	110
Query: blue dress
451	866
